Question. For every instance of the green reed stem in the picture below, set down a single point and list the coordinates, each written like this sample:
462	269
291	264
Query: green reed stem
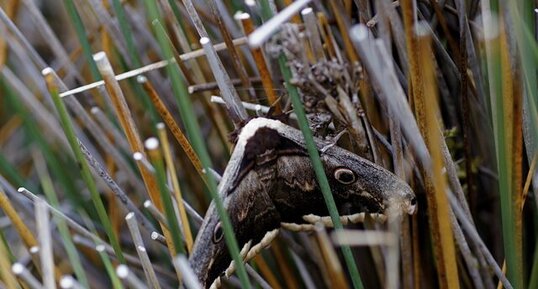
503	155
35	136
194	132
69	131
314	156
318	168
7	170
135	59
70	248
116	282
82	38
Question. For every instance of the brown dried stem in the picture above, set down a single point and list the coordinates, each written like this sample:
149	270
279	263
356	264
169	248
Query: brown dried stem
261	63
426	109
172	125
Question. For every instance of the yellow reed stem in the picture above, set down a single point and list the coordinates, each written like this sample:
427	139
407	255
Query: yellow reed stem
9	128
425	96
8	278
285	269
175	185
11	8
332	264
267	272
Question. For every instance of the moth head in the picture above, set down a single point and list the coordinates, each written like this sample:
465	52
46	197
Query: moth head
361	186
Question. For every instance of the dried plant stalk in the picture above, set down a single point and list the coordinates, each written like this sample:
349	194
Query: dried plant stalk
425	96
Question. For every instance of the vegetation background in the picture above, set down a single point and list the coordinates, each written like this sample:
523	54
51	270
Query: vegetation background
443	93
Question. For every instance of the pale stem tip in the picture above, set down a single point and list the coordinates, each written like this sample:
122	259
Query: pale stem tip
66	282
306	11
204	40
241	15
17	268
141	79
122	271
359	31
151	143
99	56
129	216
137	156
47	71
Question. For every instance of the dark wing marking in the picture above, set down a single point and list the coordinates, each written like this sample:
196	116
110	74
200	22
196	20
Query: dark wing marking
262	150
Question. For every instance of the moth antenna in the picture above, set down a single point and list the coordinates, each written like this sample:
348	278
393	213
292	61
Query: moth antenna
274	106
333	141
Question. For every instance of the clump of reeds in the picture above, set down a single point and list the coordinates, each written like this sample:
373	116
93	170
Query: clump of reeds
115	117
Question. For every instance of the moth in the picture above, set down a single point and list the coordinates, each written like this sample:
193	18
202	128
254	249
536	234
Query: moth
270	184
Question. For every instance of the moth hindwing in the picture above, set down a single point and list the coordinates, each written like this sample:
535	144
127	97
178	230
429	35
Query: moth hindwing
269	184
